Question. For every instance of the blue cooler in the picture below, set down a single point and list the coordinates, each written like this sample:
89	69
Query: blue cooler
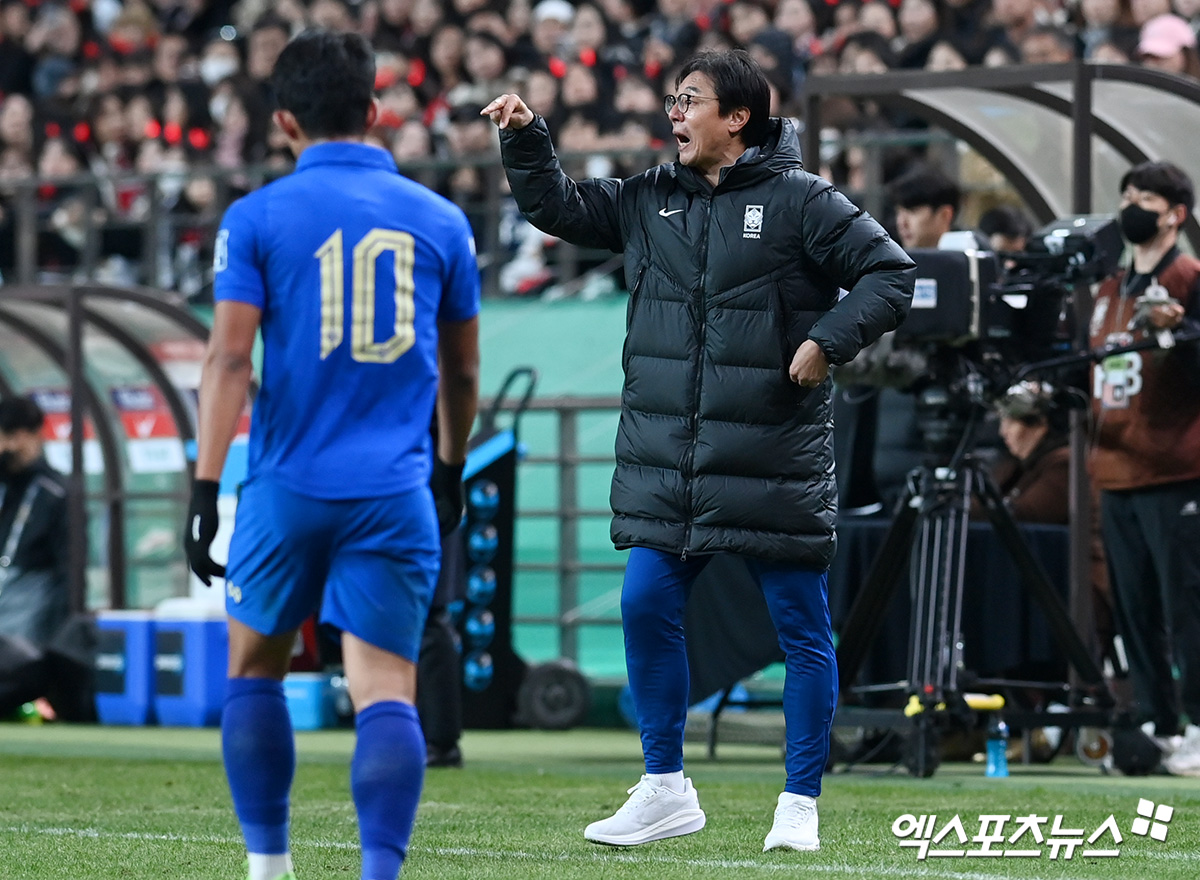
125	667
191	658
310	700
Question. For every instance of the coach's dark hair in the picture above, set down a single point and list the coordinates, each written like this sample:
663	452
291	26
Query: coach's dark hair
326	80
925	185
1163	178
739	82
20	414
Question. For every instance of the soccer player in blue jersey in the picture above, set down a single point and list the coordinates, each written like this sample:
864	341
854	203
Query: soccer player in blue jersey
366	290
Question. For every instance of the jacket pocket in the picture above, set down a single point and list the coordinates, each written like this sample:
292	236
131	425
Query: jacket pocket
783	322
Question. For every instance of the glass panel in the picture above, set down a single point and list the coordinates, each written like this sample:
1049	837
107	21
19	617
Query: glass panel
1036	140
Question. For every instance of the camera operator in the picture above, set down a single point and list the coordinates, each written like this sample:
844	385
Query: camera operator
1033	477
1146	454
34	600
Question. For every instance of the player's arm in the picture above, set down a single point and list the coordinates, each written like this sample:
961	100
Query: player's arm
458	388
224	383
582	212
240	294
458	373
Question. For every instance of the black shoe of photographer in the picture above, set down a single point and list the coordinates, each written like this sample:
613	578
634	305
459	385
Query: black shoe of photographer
437	757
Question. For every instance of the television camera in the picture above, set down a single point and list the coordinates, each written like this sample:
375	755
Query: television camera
979	320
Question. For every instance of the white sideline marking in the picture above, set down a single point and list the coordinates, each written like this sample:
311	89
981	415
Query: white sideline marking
927	870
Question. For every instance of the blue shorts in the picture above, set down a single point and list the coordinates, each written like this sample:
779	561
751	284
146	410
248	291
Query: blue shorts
370	565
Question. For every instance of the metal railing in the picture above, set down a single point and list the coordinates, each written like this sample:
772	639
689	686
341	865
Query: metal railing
569	514
150	221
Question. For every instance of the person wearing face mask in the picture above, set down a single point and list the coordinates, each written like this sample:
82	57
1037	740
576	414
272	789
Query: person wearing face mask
34	600
1145	457
221	60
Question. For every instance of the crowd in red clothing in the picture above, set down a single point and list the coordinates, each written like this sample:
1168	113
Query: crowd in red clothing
169	86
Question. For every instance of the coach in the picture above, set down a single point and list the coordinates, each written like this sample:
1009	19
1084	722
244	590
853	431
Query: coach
734	255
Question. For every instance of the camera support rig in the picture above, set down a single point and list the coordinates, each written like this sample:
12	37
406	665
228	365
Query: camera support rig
930	526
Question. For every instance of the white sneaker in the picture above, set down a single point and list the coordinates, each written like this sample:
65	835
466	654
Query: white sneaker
653	812
795	824
1185	761
1168	745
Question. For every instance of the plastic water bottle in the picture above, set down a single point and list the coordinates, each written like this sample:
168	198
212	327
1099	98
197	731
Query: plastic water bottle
997	748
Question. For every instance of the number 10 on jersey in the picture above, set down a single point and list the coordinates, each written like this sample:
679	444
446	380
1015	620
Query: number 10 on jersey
369	249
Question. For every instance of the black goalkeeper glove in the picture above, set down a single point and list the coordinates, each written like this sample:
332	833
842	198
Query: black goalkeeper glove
202	523
447	487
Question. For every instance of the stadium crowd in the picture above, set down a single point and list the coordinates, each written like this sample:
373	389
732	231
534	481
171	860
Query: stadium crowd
169	86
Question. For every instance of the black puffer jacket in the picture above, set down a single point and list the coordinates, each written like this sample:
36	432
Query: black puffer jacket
717	448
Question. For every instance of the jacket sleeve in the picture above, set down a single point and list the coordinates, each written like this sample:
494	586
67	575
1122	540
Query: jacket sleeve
855	252
583	213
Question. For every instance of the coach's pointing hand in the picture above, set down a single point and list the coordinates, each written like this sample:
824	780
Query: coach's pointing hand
508	111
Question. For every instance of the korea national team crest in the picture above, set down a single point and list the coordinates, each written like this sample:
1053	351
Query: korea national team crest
752	225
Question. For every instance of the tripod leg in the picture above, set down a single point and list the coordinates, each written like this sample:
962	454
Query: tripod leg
1036	581
871	605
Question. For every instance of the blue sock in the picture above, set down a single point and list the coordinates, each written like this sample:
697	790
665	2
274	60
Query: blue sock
260	760
385	778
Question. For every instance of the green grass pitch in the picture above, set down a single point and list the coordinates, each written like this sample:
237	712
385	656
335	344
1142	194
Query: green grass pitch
83	803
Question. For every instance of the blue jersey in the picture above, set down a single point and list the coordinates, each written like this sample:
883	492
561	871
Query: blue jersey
352	265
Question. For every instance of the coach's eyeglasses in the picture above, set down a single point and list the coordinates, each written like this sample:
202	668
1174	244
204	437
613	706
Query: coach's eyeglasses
685	102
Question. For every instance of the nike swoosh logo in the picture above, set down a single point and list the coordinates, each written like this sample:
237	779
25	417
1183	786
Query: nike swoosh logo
663	212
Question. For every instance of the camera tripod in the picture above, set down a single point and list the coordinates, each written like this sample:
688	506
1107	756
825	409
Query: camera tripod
931	523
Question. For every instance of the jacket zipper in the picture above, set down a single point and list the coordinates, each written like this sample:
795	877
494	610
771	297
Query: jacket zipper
702	311
633	307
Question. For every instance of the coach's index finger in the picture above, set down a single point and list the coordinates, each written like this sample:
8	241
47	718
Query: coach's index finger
508	111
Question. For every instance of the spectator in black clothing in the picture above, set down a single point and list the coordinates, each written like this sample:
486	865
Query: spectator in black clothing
1047	44
267	39
16	62
919	28
964	23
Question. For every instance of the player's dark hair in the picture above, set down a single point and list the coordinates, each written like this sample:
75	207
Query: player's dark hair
326	80
20	414
1163	178
739	82
925	185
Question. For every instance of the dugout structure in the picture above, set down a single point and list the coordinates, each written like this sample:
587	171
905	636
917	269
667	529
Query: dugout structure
115	370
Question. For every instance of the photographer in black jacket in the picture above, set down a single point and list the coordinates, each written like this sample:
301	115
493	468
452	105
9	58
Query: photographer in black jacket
735	256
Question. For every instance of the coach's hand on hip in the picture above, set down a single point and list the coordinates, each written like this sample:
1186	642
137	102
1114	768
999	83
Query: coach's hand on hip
809	367
202	523
508	111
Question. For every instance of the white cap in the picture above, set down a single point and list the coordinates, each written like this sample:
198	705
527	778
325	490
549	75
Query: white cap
559	10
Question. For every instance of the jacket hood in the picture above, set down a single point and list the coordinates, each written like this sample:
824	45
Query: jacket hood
779	152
